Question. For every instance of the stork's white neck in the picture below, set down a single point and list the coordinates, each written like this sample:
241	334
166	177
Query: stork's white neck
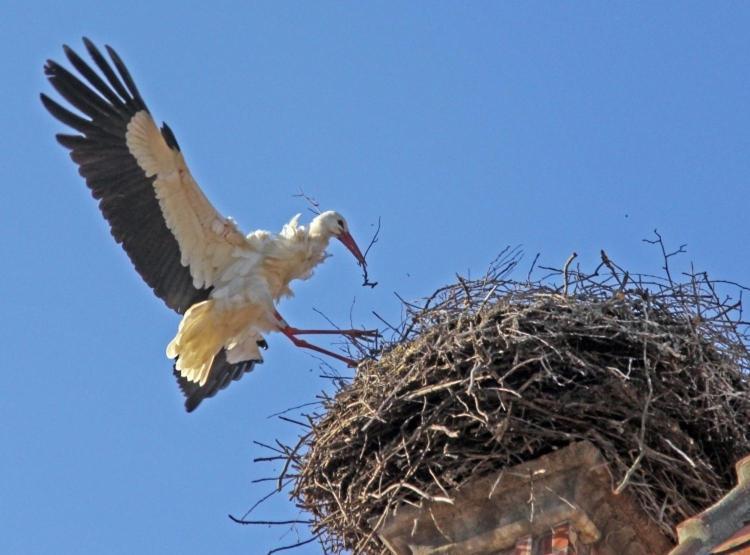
319	231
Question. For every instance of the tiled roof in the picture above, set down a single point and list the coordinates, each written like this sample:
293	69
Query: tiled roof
722	528
738	543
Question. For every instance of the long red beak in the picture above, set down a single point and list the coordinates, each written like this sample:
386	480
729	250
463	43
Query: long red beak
348	241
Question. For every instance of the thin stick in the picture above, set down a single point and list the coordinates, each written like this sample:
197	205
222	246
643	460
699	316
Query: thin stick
565	272
365	279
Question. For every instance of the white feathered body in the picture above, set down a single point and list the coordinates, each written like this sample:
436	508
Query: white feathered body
241	307
248	274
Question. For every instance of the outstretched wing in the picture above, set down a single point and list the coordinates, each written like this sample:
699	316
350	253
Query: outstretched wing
175	238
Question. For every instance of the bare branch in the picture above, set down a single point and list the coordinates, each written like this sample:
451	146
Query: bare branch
268	522
294	545
365	279
565	272
313	204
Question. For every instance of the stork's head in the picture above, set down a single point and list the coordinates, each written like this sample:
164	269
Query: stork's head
332	224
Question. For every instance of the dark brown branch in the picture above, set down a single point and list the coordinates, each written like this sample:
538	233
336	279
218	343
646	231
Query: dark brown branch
313	204
565	272
659	241
268	522
365	279
290	409
294	545
531	268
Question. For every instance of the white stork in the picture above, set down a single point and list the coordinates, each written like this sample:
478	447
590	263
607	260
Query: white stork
224	283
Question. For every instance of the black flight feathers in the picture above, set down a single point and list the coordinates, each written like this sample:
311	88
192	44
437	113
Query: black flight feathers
105	102
169	137
126	196
220	376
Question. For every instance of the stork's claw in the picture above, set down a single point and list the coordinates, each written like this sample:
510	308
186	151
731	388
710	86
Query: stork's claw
289	330
360	333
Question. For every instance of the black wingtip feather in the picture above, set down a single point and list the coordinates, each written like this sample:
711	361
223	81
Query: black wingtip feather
169	137
81	95
125	74
96	81
108	72
66	116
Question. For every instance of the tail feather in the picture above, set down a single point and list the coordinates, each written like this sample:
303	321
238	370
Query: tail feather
222	374
198	340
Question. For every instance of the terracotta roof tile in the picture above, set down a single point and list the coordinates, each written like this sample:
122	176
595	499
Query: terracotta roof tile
723	527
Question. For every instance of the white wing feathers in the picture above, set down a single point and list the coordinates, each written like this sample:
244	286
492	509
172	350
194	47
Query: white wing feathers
206	238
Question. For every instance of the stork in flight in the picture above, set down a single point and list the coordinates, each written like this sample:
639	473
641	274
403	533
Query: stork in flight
225	284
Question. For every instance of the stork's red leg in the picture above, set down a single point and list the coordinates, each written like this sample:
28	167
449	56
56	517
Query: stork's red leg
351	363
350	333
292	334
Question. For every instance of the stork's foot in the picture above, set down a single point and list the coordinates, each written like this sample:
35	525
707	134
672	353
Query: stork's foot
360	333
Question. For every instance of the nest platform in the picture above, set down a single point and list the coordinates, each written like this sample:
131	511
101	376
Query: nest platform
491	372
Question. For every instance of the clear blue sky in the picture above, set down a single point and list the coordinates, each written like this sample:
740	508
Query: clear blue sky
560	126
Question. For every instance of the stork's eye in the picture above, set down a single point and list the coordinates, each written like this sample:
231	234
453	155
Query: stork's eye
341	223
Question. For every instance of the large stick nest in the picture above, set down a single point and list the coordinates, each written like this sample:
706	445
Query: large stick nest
491	372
